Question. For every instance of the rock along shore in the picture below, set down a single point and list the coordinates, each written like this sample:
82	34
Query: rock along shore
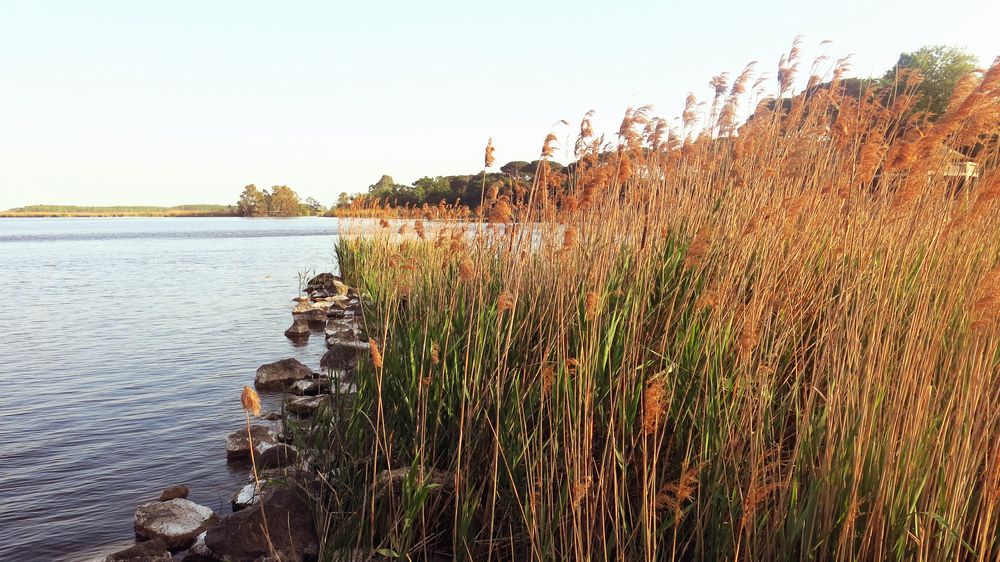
174	526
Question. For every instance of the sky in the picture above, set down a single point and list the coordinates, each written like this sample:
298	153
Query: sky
165	103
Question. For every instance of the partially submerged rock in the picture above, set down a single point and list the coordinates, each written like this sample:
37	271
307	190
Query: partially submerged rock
174	492
240	538
280	374
298	330
176	522
238	443
149	551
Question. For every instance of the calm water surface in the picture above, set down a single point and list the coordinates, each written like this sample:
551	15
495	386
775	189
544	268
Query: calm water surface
124	344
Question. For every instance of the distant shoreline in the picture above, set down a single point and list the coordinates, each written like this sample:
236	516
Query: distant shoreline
52	215
58	211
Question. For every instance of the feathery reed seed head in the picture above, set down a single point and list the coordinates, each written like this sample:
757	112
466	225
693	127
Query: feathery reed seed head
250	400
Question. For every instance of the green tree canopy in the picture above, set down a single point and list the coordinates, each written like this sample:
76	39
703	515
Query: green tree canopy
313	206
282	202
252	202
940	66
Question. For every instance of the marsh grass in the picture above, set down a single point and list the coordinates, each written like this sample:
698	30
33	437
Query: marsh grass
779	343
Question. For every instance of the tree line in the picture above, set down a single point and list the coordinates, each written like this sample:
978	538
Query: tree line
278	201
930	72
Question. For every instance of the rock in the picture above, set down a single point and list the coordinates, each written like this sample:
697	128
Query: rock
272	415
176	522
301	299
343	355
315	318
394	480
148	551
298	329
325	285
278	456
238	444
341	329
198	552
280	374
175	492
246	497
304	405
240	538
309	387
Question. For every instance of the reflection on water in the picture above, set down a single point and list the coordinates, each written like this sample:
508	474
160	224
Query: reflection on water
124	344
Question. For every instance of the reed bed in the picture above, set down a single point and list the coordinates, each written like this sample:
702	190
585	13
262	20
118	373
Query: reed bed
773	342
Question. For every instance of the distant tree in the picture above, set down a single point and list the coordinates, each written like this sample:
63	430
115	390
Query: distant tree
344	199
314	207
514	168
282	202
252	202
940	66
434	189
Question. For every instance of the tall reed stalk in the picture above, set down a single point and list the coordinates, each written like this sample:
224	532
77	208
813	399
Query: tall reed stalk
780	342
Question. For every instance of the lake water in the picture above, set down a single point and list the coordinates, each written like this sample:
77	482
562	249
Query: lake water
124	344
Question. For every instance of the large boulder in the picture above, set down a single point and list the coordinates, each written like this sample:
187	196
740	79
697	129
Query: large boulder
280	374
240	536
175	522
238	443
148	551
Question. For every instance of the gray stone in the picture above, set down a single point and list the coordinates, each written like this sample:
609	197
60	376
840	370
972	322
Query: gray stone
280	374
175	522
174	492
309	387
240	538
305	405
299	329
238	443
343	355
278	456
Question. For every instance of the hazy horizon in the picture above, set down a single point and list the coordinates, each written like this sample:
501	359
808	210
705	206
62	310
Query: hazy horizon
112	103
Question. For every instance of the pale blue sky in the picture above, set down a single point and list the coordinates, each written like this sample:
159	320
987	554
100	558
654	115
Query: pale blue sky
141	102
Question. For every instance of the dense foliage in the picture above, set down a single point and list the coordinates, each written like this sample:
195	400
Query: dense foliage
780	342
279	201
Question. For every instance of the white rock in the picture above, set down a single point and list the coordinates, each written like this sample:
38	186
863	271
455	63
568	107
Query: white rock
176	522
246	497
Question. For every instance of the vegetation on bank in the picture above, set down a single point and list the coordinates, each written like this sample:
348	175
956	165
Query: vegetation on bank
780	342
279	201
940	66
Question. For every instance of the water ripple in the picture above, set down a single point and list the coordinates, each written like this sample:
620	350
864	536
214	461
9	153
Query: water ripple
124	345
